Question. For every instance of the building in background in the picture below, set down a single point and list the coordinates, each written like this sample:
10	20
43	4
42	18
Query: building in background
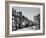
37	21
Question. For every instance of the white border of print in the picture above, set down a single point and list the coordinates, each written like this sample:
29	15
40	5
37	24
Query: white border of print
31	31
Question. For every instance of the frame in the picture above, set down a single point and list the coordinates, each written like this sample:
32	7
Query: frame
7	19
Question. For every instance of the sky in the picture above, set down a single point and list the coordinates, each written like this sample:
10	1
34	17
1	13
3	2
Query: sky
28	12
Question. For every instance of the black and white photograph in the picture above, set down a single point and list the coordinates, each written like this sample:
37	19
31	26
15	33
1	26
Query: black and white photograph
25	18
